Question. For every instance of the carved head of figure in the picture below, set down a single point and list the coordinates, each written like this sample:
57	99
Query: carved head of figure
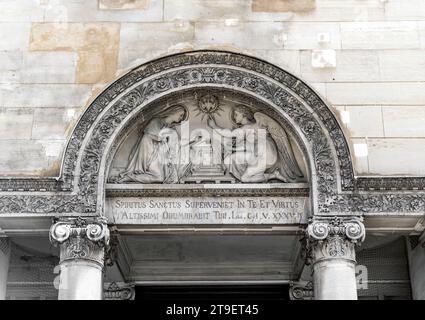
241	115
175	114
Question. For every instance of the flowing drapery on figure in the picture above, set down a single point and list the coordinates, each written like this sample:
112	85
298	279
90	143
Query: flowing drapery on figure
155	157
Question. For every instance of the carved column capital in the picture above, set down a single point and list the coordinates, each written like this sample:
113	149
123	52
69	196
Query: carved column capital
334	237
81	238
120	292
302	290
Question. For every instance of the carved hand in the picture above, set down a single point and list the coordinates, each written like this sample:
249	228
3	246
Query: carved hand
211	122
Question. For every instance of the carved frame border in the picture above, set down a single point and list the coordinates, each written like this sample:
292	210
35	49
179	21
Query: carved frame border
80	189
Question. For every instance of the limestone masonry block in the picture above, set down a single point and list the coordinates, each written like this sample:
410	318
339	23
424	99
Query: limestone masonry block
365	121
323	59
351	65
105	11
360	160
22	157
375	93
21	11
266	35
44	95
390	156
15	123
97	45
380	35
49	67
54	123
138	44
283	5
14	36
405	10
123	4
402	65
404	121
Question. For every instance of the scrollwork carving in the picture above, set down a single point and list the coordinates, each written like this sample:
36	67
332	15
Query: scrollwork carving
81	238
334	237
302	290
119	292
77	189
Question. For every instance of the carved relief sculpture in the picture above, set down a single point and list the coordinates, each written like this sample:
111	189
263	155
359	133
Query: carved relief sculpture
262	150
155	158
251	147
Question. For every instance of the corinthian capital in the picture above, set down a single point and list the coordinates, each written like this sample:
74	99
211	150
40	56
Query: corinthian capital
334	237
81	238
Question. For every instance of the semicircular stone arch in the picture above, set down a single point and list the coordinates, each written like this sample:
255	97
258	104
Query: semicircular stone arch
93	141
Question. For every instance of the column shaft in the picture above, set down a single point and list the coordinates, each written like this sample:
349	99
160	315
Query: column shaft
331	243
334	280
82	252
80	280
4	265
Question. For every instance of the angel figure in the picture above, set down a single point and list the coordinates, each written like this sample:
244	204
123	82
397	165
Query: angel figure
250	159
155	157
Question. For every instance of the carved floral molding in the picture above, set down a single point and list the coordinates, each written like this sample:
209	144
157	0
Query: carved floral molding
80	188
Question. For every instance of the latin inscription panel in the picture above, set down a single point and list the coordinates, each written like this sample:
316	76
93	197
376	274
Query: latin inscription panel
207	210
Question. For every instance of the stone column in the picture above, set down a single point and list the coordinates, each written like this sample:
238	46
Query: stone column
331	244
82	244
4	265
417	269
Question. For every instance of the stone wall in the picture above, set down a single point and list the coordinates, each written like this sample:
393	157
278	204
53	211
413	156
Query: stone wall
366	58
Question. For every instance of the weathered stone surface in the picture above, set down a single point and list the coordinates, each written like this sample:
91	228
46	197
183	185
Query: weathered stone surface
15	123
374	93
54	123
21	11
351	65
96	44
201	10
44	95
11	63
421	26
402	65
364	121
273	10
21	157
360	162
288	60
139	44
14	36
380	35
49	67
218	10
90	11
405	10
283	5
11	60
404	121
390	156
347	10
268	35
123	4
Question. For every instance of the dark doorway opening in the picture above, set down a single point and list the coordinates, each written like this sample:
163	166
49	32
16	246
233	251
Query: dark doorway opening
213	293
